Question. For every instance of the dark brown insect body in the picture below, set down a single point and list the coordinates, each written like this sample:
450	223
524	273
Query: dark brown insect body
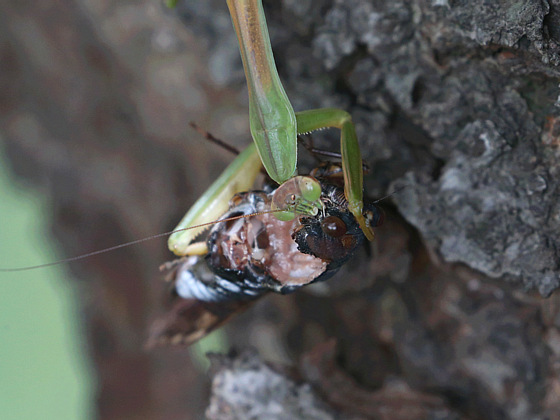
252	256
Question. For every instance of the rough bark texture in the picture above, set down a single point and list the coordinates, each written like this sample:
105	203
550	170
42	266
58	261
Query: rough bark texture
456	100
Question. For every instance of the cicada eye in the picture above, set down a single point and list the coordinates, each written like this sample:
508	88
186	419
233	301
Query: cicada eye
333	226
375	216
310	188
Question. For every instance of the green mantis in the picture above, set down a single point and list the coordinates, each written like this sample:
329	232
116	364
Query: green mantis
274	127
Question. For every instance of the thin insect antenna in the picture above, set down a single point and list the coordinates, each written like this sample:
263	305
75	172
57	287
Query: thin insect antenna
137	241
219	142
210	137
392	193
316	152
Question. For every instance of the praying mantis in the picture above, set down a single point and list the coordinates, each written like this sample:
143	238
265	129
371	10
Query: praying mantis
247	253
274	128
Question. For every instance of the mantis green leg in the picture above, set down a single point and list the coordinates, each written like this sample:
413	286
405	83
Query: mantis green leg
274	128
271	116
272	120
315	119
239	176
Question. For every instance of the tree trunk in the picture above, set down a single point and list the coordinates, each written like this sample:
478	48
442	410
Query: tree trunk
455	101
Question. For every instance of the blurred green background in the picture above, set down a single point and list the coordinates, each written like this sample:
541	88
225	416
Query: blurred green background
43	369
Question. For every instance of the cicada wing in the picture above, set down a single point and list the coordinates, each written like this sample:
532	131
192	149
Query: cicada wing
195	307
189	320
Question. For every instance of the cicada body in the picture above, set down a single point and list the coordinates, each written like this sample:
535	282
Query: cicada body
254	255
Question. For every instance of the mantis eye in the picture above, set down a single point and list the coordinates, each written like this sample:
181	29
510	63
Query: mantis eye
310	188
288	215
333	226
298	195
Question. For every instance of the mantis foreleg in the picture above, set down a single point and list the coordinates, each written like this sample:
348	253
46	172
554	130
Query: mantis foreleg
314	119
239	176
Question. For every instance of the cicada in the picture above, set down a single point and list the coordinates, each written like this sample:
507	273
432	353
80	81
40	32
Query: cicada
271	240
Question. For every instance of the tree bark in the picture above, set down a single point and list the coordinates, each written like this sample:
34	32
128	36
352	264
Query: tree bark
457	101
